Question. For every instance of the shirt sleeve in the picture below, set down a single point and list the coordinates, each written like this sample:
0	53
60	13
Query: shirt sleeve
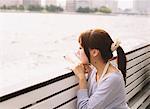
104	94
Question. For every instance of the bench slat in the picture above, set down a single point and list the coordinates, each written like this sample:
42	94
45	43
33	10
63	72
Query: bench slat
137	74
33	96
137	53
137	60
137	67
136	82
56	100
137	89
70	105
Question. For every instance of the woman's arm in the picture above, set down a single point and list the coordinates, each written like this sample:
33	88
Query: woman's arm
103	96
80	72
82	83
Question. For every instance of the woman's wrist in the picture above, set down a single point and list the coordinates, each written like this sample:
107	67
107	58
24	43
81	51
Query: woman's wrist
82	83
81	78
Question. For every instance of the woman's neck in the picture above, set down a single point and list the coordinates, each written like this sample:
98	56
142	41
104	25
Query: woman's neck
100	67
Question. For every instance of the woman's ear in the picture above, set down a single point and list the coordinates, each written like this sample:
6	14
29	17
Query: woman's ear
94	52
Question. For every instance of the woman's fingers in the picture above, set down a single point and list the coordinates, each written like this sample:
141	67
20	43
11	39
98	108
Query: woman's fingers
87	68
84	67
79	71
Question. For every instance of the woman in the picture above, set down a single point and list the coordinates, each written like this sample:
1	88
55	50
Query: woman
105	88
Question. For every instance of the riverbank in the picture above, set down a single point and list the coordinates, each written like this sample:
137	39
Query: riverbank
71	13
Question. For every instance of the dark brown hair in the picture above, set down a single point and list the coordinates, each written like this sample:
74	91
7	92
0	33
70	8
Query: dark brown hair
100	39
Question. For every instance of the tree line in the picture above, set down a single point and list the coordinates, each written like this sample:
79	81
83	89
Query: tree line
53	8
102	9
50	8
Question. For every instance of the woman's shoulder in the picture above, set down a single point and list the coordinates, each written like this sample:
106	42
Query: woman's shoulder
115	77
113	82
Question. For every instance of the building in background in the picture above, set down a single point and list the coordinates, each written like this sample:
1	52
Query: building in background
71	5
31	2
141	6
96	3
11	2
51	2
82	3
19	2
112	4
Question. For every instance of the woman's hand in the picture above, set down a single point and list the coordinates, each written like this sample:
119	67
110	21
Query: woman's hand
83	68
79	71
87	68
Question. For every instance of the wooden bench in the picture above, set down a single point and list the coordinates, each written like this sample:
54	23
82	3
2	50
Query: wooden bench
60	92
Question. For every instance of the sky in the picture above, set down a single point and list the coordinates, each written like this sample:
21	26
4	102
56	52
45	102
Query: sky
125	4
121	3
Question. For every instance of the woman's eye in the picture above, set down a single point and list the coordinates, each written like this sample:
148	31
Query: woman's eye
80	48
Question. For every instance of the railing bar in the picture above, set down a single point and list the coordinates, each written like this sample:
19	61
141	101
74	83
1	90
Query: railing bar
138	70
137	49
65	103
138	56
137	85
137	78
37	86
49	96
144	101
138	63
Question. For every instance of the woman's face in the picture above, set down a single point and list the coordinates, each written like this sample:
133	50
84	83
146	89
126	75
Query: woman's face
82	56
